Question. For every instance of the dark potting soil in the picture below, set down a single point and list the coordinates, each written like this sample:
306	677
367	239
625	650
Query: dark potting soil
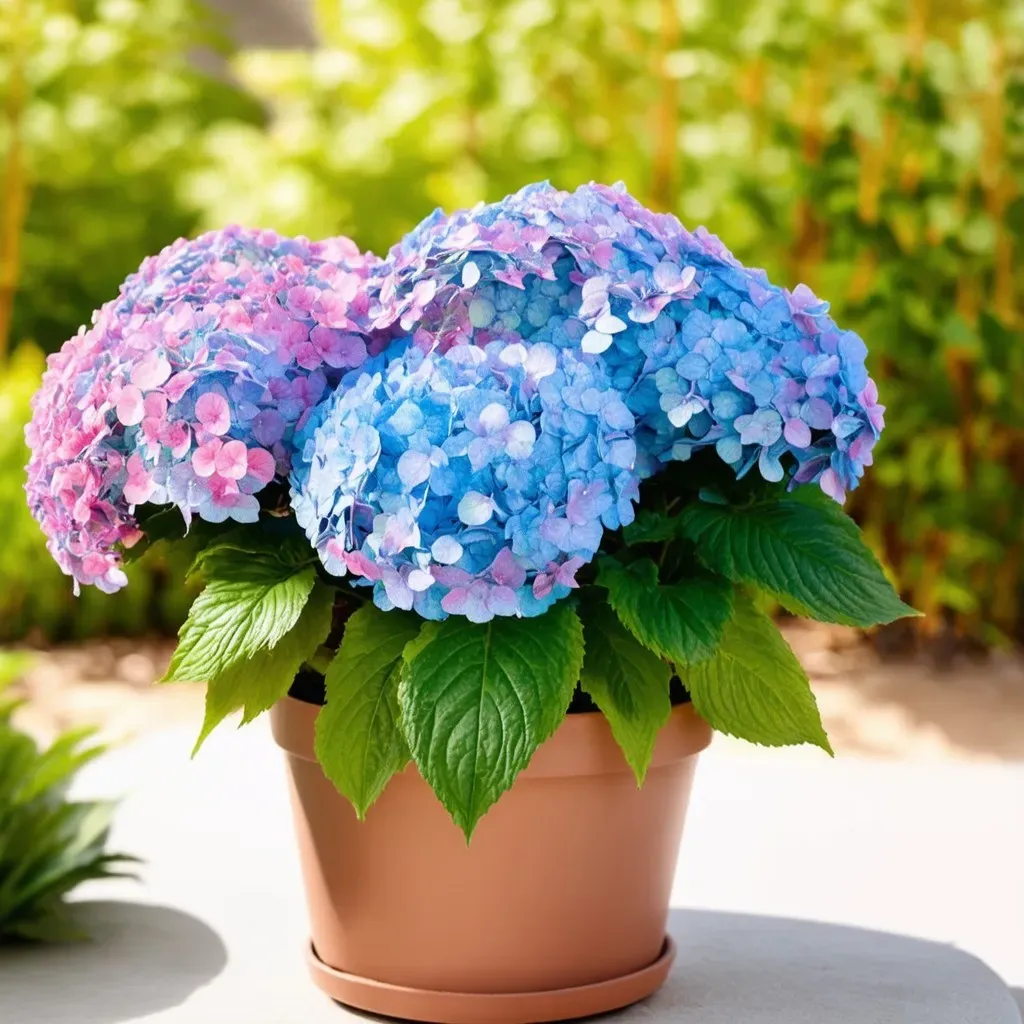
309	687
582	703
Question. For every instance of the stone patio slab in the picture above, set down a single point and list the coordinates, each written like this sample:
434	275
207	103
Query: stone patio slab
778	844
155	964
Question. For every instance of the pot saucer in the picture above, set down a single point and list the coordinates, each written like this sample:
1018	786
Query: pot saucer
486	1008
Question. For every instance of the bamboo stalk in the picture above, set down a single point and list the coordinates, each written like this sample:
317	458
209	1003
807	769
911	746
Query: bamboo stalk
873	159
865	271
811	234
999	187
666	132
1004	297
936	552
917	33
751	89
1006	590
15	184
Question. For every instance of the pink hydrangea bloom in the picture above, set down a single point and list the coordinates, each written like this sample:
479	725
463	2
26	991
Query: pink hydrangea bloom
187	387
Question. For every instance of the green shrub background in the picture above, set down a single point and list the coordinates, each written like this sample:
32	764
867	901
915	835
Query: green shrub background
872	148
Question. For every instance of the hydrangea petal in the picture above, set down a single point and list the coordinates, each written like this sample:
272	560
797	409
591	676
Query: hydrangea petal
475	508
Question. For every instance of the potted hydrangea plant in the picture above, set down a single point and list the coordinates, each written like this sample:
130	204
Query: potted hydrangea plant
486	524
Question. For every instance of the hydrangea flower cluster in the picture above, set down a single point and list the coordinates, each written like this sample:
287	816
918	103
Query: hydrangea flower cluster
462	421
705	351
186	388
475	481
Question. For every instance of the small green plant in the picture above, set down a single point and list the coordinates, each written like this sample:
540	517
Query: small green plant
48	844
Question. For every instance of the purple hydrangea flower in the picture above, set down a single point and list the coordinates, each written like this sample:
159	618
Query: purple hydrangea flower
475	481
186	388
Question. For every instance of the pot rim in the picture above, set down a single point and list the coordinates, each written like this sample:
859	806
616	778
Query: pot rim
582	745
560	1004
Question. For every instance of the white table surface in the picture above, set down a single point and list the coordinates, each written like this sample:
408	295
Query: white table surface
820	892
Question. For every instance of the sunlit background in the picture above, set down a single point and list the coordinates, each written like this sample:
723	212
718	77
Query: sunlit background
873	149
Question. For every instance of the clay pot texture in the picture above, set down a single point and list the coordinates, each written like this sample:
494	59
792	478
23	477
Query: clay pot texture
565	884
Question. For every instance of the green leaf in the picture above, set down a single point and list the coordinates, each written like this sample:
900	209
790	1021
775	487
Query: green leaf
680	621
629	683
56	766
278	548
650	528
478	699
754	687
810	556
251	600
261	615
359	741
257	682
164	525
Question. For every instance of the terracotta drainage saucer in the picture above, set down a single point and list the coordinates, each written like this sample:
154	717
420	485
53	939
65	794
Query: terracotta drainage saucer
485	1008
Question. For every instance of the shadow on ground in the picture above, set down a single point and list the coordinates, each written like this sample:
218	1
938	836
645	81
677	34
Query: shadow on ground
139	959
766	970
753	969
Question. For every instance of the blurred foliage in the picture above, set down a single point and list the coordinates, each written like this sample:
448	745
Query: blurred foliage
872	148
101	110
105	110
50	844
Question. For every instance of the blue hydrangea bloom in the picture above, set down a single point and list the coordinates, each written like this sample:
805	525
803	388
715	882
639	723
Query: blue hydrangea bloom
704	351
549	351
475	481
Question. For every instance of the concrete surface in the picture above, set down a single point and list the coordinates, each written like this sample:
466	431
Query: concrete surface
277	24
907	862
151	963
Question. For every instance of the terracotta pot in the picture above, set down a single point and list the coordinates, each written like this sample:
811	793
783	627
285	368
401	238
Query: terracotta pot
556	910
